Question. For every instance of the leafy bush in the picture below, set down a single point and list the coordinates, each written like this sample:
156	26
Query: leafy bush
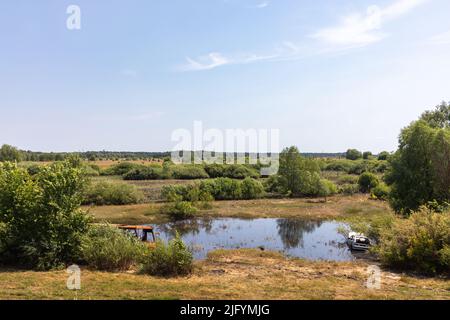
106	193
108	248
420	242
215	170
171	259
381	192
42	223
349	188
146	173
251	189
179	210
384	155
223	188
325	188
347	179
237	171
121	169
367	181
189	172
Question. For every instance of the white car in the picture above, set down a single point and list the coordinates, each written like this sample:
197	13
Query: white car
358	241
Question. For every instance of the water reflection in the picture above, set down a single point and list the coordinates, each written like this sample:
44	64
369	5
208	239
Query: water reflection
291	231
315	240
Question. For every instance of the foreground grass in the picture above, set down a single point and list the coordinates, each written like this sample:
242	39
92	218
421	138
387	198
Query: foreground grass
235	274
339	207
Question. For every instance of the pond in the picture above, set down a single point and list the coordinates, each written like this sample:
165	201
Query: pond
314	240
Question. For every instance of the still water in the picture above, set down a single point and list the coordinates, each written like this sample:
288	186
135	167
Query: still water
314	240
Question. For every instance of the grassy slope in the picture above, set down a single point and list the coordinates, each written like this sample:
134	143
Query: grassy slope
238	274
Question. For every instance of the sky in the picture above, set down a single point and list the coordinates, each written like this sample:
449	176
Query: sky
329	74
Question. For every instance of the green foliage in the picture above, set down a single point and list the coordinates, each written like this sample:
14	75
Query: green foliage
189	172
420	169
106	193
223	188
349	188
438	118
179	210
420	242
121	169
297	174
353	154
9	153
367	155
171	259
380	192
384	155
108	248
367	181
146	173
42	222
251	189
325	188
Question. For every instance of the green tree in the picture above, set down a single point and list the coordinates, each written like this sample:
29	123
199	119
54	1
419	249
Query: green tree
367	155
353	154
297	174
9	153
43	225
384	155
367	181
438	118
419	170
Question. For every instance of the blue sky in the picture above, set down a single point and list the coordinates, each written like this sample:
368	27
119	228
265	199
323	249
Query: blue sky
329	74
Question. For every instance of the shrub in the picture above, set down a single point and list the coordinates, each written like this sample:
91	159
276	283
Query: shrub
106	193
179	210
381	192
325	188
171	259
367	181
347	179
40	214
420	242
383	155
189	172
121	169
146	173
236	171
223	188
251	189
367	155
215	170
349	188
107	248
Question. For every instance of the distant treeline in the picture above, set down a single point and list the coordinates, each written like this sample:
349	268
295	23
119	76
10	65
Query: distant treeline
12	153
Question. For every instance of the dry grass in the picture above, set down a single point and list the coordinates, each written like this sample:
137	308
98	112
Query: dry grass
335	208
235	274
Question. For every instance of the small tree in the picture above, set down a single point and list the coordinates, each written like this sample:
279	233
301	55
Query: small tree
353	154
9	153
41	219
384	155
367	181
367	155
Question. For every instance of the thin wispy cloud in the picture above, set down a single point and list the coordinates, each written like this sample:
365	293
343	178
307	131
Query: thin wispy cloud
361	29
262	5
215	59
440	39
